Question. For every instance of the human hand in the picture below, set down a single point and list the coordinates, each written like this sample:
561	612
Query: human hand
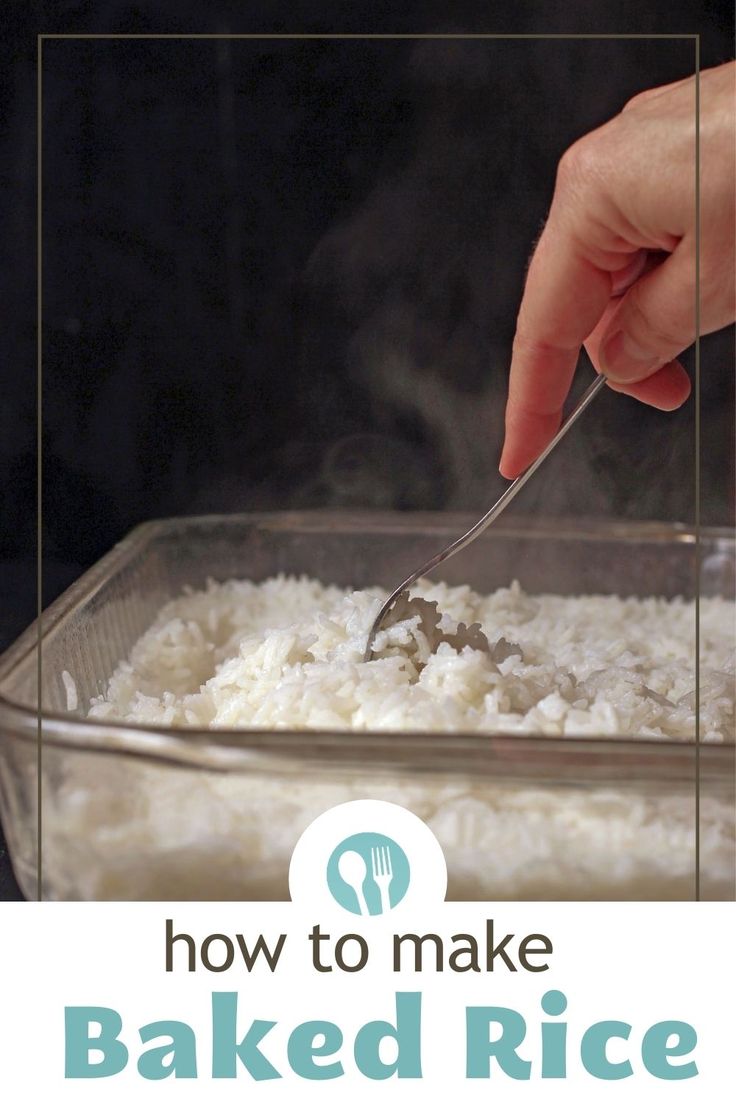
614	269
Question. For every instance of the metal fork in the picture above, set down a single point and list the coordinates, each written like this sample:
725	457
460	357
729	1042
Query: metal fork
485	521
382	874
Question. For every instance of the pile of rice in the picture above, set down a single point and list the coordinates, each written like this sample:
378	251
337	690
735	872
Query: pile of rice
288	654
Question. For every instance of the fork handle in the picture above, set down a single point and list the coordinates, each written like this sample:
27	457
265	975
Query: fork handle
510	493
498	507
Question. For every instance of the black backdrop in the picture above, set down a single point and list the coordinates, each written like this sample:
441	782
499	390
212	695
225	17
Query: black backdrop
284	274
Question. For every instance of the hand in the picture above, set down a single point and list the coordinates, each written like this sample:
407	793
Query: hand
614	269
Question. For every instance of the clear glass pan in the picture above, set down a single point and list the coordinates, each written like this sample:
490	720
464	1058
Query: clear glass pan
145	813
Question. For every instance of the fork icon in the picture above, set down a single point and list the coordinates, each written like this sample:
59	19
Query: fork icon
382	874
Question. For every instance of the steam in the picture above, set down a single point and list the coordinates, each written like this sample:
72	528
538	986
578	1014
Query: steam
425	278
404	313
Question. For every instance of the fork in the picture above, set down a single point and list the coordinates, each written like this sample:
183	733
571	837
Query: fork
382	874
467	538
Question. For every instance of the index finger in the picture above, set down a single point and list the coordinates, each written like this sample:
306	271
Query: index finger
564	297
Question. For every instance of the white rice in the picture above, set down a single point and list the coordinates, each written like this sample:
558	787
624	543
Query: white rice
287	654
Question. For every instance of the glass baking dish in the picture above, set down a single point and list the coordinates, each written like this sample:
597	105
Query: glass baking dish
136	812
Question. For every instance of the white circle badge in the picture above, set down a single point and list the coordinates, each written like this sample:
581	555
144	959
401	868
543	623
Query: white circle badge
367	859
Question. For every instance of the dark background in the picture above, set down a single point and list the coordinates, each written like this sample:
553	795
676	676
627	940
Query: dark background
285	274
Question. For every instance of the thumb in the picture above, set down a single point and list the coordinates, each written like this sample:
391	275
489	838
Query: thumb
654	322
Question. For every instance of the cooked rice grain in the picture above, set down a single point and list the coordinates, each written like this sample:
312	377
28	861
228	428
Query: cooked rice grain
287	654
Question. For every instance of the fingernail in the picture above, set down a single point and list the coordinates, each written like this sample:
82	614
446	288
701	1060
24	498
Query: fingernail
624	361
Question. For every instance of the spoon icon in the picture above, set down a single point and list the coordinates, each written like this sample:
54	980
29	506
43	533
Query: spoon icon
353	870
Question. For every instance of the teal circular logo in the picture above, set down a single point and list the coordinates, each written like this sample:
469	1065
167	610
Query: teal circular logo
368	874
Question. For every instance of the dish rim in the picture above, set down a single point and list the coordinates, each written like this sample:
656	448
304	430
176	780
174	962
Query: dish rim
267	750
